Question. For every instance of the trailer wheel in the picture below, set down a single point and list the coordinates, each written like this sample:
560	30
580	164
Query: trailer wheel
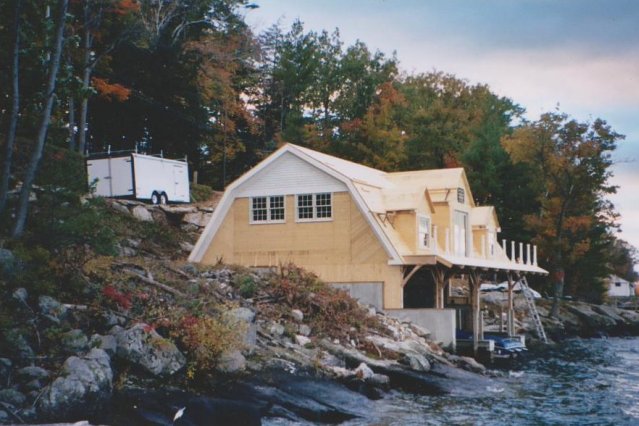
164	199
155	198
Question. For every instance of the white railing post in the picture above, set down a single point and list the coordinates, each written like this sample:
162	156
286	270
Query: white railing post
521	253
504	247
513	253
535	255
528	261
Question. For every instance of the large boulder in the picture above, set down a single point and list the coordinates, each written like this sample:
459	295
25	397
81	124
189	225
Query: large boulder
82	389
231	362
143	346
243	322
141	213
74	341
53	310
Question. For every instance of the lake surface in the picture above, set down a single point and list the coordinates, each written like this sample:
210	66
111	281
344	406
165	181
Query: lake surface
577	382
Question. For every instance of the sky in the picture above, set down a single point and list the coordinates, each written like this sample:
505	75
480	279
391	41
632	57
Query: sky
581	56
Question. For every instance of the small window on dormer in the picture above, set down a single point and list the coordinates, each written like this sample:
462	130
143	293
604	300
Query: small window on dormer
460	195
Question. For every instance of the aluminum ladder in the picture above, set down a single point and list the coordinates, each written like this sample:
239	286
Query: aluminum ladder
532	308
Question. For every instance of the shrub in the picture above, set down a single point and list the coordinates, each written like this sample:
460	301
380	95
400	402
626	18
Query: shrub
246	285
205	339
200	192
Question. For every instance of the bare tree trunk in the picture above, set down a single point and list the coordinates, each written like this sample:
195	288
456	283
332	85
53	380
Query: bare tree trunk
15	109
86	80
72	126
54	66
558	286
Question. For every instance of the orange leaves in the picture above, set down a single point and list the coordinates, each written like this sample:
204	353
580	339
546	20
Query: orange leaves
110	91
124	7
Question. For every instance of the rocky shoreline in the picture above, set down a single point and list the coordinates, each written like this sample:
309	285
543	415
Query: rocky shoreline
284	369
150	337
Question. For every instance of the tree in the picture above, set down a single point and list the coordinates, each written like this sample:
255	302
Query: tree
376	140
32	168
572	163
15	109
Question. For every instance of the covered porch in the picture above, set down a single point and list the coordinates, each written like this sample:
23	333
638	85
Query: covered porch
427	293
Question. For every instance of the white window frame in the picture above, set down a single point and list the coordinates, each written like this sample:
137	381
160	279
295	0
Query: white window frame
268	219
314	207
420	234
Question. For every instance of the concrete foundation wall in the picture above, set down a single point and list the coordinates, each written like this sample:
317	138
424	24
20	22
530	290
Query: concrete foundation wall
366	293
440	322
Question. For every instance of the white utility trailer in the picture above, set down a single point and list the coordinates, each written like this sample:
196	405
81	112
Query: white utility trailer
139	176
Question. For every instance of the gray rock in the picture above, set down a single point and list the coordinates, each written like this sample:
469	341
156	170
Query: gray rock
198	219
20	295
141	213
470	364
302	340
124	251
8	263
231	362
52	309
187	247
363	371
106	343
177	210
143	346
33	385
13	397
379	380
304	330
243	321
27	374
276	329
420	331
112	319
120	208
297	315
417	362
4	417
74	341
82	389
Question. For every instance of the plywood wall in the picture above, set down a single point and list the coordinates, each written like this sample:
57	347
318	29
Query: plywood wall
343	250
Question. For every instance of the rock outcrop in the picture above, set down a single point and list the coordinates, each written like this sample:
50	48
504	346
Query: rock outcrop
141	345
83	388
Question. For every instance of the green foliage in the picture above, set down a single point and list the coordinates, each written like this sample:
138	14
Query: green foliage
205	339
246	285
330	312
200	192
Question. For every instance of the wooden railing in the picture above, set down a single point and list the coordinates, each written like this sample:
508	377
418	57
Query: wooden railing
527	253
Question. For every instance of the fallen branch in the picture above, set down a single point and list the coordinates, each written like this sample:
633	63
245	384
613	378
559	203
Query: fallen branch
149	280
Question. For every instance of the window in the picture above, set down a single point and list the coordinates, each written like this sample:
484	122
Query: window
461	197
618	284
460	233
267	209
423	231
315	206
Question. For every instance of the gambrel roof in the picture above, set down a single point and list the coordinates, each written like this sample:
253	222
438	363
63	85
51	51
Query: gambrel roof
376	194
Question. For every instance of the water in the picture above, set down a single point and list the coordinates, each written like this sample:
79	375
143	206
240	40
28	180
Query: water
579	382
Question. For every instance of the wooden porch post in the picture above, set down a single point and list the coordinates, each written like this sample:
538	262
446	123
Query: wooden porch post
511	311
474	291
439	276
